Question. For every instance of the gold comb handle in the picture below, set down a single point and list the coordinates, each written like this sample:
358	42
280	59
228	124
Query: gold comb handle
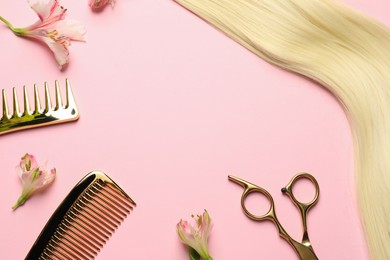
38	117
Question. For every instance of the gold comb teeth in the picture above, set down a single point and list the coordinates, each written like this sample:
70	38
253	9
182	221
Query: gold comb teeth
38	117
84	221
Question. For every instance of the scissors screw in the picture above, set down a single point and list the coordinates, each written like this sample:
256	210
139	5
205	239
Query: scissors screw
284	190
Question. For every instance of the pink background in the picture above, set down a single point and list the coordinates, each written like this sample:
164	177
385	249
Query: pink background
169	107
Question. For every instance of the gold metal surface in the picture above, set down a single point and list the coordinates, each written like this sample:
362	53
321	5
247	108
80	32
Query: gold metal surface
303	249
49	115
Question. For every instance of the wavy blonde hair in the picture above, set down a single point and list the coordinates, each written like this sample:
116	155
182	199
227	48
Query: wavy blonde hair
346	52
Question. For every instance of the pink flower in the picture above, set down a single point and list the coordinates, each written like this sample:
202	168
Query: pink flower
52	29
196	235
33	177
99	4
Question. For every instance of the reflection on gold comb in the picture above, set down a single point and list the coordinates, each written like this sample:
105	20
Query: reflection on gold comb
84	221
38	117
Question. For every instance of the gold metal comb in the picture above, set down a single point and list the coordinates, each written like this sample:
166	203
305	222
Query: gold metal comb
84	221
39	117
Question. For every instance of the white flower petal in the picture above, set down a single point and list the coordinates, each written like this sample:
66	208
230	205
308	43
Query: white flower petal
25	177
71	29
49	177
42	8
60	52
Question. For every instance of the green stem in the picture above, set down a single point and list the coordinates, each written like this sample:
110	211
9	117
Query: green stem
7	23
16	31
21	200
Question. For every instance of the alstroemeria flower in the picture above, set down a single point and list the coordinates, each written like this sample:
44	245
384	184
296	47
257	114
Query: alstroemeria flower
52	29
196	235
99	4
33	177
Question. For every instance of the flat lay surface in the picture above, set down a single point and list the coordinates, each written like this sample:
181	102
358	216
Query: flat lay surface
169	107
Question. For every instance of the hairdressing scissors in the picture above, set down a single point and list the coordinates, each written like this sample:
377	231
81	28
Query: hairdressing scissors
303	249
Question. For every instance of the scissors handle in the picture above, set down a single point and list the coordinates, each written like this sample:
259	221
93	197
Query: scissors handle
304	249
252	188
302	206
